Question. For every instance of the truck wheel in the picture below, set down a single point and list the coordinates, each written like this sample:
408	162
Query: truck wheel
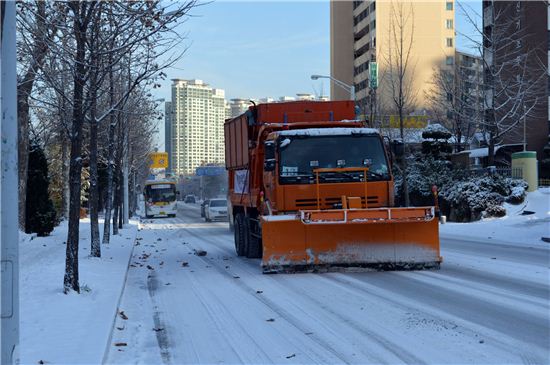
240	236
254	247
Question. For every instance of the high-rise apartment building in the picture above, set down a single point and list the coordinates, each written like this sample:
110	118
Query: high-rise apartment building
198	114
516	55
368	31
168	132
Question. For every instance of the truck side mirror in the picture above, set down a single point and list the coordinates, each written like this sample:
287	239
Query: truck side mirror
397	148
269	156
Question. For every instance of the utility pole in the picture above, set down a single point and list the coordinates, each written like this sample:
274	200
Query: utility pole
9	212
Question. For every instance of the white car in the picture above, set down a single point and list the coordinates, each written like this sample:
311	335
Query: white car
216	210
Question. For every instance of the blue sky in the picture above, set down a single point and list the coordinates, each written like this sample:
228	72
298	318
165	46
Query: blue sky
255	49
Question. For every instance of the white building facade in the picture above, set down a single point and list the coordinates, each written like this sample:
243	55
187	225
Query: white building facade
199	112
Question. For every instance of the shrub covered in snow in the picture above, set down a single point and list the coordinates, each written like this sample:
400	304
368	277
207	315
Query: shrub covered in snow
436	140
494	211
462	197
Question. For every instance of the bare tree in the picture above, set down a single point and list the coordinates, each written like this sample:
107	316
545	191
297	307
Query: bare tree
36	24
101	57
455	101
399	70
515	72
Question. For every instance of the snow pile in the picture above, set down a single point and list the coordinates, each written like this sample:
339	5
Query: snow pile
525	223
74	328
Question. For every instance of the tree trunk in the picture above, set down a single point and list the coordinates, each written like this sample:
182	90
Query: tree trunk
23	149
116	203
95	250
491	151
111	158
70	280
404	159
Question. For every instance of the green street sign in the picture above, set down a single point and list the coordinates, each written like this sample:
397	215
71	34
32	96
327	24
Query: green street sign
373	75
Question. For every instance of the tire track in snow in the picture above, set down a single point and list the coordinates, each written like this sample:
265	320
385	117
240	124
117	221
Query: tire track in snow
390	346
161	329
281	312
384	290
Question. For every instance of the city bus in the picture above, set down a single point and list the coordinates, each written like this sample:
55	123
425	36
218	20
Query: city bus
160	198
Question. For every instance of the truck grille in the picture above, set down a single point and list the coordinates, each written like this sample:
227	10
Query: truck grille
330	203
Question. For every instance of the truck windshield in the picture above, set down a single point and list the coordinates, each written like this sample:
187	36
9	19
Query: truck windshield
299	156
157	193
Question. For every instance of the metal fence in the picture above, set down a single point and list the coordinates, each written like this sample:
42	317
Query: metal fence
516	173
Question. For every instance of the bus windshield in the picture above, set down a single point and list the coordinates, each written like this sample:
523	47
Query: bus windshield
299	156
160	193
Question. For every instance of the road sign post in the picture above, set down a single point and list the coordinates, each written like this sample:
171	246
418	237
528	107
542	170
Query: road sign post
9	235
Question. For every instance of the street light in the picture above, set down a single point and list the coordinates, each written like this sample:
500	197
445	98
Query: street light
343	85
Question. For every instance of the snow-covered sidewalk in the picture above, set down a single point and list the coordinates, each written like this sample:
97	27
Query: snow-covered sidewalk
74	328
524	223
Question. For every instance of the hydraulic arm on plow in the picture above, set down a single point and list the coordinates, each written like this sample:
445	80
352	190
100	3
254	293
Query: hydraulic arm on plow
310	190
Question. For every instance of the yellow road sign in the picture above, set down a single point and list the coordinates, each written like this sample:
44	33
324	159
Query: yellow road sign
158	160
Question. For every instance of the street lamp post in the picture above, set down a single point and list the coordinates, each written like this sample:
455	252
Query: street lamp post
343	85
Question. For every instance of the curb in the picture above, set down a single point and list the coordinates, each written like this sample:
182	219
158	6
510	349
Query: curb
109	340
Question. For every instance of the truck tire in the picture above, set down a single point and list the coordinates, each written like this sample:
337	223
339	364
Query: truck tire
254	247
240	235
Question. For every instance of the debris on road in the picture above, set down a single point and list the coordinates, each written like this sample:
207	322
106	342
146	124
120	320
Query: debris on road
291	356
157	329
270	320
259	291
185	264
121	344
200	252
123	315
150	267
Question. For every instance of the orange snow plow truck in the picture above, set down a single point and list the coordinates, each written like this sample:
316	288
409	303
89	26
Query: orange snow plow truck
311	189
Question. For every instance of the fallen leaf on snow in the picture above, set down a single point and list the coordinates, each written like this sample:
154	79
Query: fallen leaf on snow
123	315
270	320
259	291
158	329
121	344
150	267
291	356
185	264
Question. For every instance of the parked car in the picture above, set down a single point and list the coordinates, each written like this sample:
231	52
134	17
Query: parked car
215	210
189	199
203	207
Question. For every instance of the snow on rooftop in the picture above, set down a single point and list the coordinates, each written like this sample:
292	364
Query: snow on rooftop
328	131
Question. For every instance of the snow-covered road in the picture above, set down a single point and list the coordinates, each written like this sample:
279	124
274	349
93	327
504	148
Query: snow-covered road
489	303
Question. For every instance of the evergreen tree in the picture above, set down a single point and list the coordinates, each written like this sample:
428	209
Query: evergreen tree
40	212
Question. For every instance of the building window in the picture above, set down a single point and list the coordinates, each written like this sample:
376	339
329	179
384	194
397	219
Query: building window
449	5
449	24
450	60
449	42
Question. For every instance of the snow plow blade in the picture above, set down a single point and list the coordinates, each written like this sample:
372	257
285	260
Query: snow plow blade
380	238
